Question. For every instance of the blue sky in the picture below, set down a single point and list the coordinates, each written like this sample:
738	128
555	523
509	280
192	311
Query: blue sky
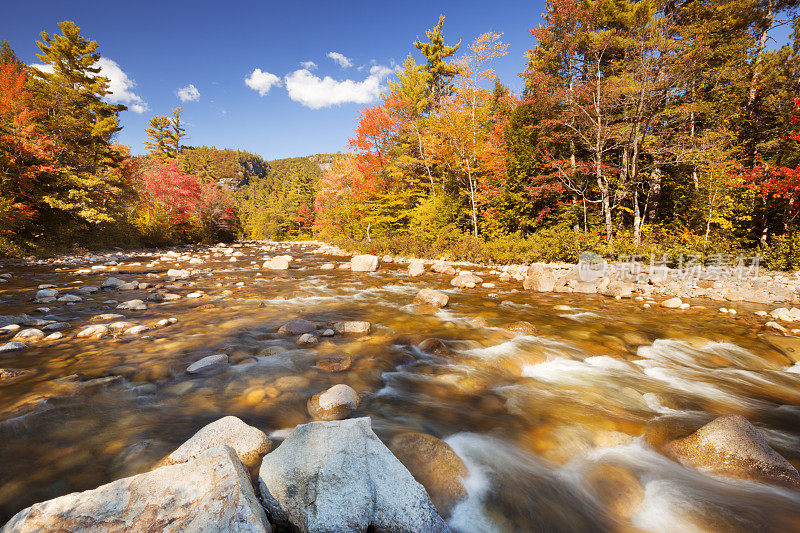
214	46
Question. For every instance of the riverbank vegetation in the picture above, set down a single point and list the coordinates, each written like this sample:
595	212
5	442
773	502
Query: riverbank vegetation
643	127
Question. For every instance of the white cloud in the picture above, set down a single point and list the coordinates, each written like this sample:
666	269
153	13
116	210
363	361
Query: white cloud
310	65
343	61
188	93
119	84
261	81
315	92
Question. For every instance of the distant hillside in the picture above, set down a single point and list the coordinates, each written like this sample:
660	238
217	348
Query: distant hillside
279	204
231	168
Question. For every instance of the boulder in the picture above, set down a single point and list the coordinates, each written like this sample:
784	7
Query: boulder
441	267
30	334
210	493
431	297
416	268
207	365
352	326
277	263
732	446
249	444
672	303
46	293
539	279
364	263
133	305
113	283
178	274
297	326
98	331
12	346
522	327
8	320
338	476
465	280
336	403
435	465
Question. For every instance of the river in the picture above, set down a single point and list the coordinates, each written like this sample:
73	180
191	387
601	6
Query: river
550	424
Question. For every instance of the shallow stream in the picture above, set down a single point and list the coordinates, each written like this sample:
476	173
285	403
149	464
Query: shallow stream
551	425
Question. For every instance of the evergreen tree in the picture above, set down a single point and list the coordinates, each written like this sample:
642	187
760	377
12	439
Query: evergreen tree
440	73
164	136
83	124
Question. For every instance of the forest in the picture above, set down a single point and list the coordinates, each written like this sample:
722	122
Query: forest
644	127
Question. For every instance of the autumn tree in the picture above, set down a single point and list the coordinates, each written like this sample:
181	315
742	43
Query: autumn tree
164	135
440	73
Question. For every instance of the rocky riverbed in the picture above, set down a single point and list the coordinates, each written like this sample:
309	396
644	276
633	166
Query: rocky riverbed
259	385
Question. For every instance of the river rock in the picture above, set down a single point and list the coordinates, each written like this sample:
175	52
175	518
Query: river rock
539	279
672	303
30	334
440	267
435	346
336	403
88	289
789	346
333	365
210	364
277	263
338	476
786	315
178	274
57	326
112	283
431	297
97	331
137	330
435	465
352	326
416	268
297	326
618	489
69	298
9	320
327	266
210	493
522	327
364	263
12	346
249	443
466	280
732	446
133	305
46	293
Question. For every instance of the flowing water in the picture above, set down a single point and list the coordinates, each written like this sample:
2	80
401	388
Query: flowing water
550	425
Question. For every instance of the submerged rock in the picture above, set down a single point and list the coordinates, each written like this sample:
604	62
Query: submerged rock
435	465
297	326
336	403
249	444
206	365
210	493
732	446
364	263
338	476
353	326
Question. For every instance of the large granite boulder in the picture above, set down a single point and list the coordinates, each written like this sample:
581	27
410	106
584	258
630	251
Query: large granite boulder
364	263
338	476
277	263
416	268
249	443
539	279
210	493
731	446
